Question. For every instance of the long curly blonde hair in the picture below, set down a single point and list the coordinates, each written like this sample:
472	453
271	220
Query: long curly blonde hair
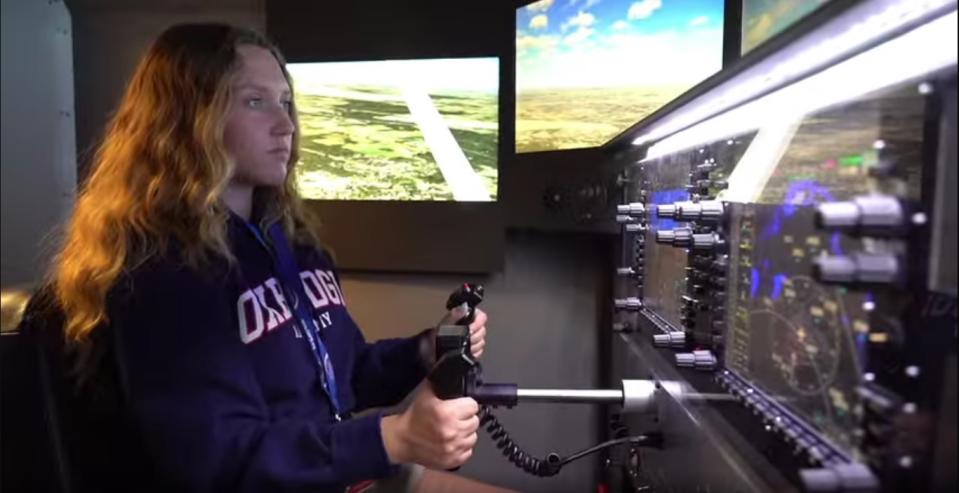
159	172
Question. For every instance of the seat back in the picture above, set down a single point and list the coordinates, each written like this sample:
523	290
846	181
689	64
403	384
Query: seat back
57	436
32	453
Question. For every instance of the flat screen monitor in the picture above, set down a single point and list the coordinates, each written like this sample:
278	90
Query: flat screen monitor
763	19
587	70
398	130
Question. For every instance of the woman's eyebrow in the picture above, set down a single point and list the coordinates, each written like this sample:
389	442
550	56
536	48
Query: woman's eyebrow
258	87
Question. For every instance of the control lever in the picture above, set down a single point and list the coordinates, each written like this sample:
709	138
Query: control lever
457	374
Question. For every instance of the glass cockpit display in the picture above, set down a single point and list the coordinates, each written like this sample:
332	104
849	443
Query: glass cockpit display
801	341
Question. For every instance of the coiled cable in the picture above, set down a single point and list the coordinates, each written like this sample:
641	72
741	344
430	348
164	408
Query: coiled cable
552	464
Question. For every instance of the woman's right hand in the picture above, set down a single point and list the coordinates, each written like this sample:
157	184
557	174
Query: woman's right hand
432	432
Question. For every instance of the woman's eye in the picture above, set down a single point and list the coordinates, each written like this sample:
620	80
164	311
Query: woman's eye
287	104
254	102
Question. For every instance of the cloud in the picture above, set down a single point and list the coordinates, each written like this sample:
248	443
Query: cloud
539	22
540	6
620	25
580	35
590	3
524	43
671	58
699	21
580	20
643	9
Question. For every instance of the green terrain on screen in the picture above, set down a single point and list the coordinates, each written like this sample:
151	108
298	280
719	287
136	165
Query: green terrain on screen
360	143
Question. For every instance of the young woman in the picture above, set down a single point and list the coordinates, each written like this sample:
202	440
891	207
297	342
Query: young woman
191	267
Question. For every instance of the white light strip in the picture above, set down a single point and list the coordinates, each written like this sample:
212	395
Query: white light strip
885	17
926	49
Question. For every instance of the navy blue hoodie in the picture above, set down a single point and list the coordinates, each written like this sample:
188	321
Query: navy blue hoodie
224	388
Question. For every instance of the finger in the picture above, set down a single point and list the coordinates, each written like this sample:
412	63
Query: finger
463	457
471	440
479	319
478	336
477	349
468	427
458	312
464	408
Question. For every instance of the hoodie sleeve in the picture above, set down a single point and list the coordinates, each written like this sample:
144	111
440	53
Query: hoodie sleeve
195	398
387	370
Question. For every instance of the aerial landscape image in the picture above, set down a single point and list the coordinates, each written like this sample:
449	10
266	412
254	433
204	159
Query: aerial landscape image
586	70
423	130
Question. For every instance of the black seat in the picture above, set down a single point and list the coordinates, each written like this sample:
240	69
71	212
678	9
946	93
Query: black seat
58	436
32	453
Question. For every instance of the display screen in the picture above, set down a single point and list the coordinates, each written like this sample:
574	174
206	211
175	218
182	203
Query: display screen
587	70
801	341
763	19
414	130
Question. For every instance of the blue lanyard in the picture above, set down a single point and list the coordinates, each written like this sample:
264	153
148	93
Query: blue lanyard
285	264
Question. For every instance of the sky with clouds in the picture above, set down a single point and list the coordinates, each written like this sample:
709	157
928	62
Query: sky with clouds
617	43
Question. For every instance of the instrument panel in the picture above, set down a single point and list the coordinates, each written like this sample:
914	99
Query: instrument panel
787	266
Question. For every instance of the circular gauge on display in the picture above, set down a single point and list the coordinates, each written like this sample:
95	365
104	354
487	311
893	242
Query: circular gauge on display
803	330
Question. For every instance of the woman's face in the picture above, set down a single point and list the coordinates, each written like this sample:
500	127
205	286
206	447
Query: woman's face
259	131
